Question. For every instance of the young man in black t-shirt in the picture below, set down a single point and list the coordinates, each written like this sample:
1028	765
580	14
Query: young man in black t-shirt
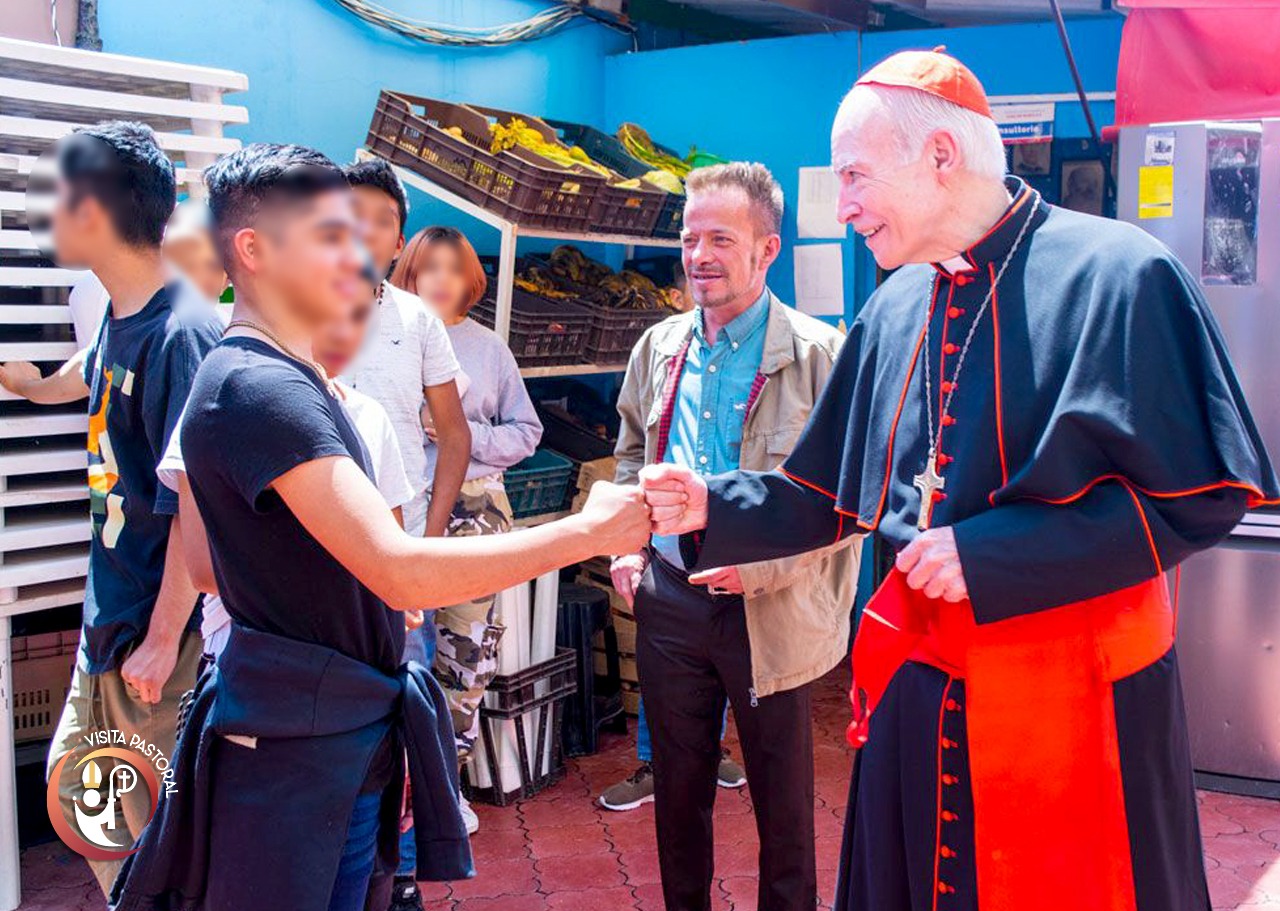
309	711
138	649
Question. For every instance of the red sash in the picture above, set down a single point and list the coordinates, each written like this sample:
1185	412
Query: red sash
1049	815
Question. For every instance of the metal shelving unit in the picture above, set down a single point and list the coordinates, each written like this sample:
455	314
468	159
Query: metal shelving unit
45	93
511	234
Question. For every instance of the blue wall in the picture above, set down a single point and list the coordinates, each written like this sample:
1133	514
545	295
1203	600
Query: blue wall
315	70
773	100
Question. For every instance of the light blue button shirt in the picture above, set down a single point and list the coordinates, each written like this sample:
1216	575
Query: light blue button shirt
711	403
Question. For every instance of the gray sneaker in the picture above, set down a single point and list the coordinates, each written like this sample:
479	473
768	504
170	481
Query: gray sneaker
730	774
631	793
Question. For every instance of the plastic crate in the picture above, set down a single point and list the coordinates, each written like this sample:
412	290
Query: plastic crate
517	185
614	210
705	159
670	217
569	439
618	210
601	147
613	154
537	485
543	332
616	331
540	688
42	668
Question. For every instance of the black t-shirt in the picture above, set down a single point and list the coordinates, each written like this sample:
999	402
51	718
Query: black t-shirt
253	415
139	370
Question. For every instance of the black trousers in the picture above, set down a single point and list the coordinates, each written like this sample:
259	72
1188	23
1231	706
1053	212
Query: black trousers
692	652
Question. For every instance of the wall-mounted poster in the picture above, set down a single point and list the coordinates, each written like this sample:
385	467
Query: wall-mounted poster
1082	186
1032	159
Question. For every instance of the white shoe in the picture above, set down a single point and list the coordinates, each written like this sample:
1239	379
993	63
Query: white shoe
469	816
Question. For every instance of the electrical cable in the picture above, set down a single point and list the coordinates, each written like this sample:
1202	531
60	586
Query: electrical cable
536	26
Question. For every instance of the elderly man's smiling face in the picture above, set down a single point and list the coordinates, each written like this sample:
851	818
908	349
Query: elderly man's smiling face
894	200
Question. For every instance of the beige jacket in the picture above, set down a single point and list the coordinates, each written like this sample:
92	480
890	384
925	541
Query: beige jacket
798	608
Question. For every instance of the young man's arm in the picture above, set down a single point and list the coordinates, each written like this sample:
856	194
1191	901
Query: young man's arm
453	444
149	666
65	385
627	569
340	508
195	541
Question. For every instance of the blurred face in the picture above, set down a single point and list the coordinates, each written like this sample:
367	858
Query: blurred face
725	254
80	229
339	340
379	219
195	257
895	205
441	282
306	256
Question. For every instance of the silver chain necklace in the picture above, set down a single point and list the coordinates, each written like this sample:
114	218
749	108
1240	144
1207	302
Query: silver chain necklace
928	481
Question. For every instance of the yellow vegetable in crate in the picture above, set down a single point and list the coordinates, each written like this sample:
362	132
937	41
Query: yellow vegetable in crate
638	144
518	133
666	180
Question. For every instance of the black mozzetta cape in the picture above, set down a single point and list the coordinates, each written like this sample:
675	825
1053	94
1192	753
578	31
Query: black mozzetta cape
1097	435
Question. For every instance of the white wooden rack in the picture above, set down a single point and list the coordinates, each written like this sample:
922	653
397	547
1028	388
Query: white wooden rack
45	93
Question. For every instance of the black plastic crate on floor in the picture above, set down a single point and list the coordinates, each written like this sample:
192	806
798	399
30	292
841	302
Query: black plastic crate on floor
584	612
540	688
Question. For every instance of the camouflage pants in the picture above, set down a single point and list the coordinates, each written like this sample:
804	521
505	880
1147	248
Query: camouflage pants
466	636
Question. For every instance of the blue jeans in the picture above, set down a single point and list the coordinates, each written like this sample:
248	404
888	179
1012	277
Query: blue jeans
644	747
356	866
420	646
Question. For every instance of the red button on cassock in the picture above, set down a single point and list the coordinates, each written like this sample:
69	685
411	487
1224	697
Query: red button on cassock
939	496
947	385
947	420
954	312
952	705
950	348
943	461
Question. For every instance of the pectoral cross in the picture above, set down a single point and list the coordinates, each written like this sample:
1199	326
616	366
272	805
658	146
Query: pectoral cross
928	482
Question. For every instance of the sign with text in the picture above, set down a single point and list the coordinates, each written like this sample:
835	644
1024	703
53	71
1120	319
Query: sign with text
1020	123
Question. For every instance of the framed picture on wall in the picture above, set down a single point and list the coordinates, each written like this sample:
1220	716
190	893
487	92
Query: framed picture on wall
1082	186
1032	159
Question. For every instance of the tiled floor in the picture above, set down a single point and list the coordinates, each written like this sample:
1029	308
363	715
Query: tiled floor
559	852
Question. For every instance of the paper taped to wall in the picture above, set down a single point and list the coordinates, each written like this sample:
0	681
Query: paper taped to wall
820	279
816	207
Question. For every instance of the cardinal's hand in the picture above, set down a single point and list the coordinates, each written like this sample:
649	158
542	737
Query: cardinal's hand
677	498
932	565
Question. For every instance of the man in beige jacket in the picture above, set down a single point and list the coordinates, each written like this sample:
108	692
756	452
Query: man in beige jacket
730	385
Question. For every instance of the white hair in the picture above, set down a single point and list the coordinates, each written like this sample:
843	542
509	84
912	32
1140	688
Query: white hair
917	115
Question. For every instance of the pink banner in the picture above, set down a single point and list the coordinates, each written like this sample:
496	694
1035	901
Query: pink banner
1198	60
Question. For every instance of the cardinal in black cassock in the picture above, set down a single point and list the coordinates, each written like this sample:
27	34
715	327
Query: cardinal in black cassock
1038	414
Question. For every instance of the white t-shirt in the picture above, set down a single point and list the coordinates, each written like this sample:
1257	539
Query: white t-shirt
88	304
407	349
375	429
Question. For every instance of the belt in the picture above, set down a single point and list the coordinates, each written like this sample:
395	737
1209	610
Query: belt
1040	719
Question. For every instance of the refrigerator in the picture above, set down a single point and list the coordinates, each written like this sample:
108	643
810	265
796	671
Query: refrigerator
1211	192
